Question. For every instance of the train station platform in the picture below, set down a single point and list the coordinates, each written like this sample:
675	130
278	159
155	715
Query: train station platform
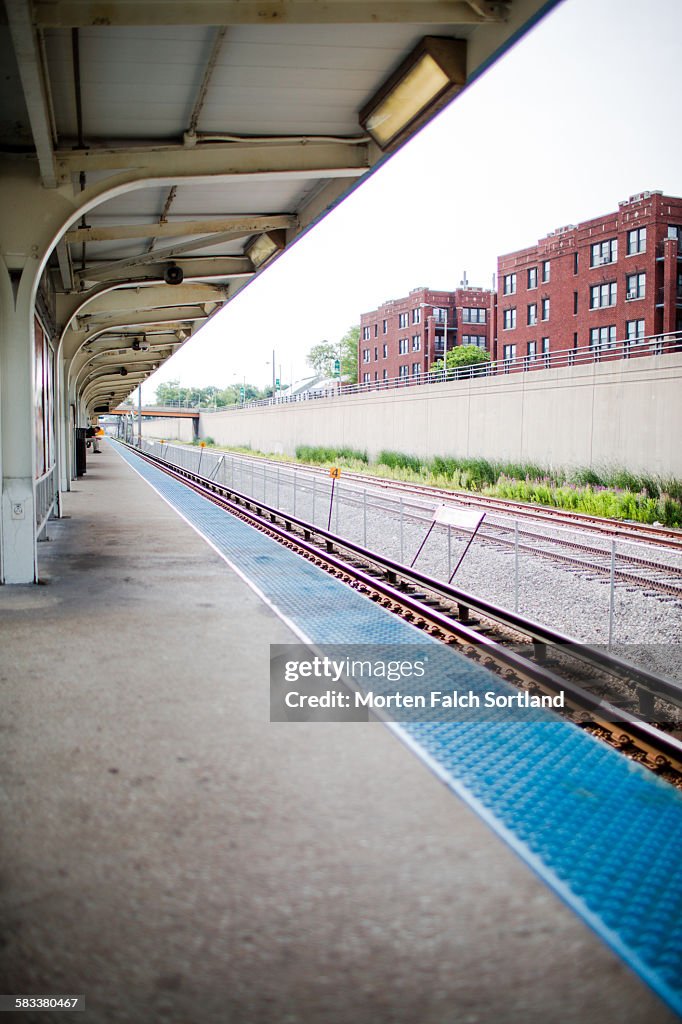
173	855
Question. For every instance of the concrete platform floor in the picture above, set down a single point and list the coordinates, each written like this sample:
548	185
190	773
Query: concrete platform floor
174	856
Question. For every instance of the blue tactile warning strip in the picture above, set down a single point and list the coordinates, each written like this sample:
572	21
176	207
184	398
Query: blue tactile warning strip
604	833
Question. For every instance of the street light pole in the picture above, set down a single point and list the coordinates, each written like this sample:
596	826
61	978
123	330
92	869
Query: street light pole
274	375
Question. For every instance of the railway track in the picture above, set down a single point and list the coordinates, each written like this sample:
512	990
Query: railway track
660	535
632	570
621	699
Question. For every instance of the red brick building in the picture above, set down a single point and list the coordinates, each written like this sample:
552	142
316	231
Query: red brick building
404	337
604	284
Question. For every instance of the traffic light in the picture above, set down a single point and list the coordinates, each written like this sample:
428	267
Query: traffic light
277	384
242	393
337	367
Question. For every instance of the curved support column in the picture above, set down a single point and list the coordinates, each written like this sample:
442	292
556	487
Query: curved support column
18	562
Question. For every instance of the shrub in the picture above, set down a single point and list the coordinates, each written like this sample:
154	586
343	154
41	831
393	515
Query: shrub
398	460
320	455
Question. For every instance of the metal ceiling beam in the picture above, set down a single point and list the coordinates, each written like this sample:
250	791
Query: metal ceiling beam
155	296
198	268
301	158
103	299
35	85
156	355
158	296
180	228
169	253
86	13
137	320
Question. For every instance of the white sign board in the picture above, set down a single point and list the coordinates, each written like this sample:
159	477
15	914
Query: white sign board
464	518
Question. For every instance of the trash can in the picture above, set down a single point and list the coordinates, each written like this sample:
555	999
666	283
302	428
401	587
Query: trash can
80	451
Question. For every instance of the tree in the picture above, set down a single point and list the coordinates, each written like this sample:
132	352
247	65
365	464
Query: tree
323	357
349	355
462	355
170	393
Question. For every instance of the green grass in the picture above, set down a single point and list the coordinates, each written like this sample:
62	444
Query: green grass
330	456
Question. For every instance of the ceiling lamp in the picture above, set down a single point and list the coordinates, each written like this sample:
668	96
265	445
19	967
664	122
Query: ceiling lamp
426	80
264	247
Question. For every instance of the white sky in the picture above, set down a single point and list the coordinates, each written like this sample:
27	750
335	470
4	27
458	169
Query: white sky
582	113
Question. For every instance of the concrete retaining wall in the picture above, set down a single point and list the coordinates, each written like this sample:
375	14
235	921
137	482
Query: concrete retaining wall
172	429
625	412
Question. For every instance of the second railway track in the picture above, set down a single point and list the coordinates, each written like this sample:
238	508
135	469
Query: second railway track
637	567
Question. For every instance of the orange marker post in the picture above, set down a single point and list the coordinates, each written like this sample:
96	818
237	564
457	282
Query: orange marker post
335	473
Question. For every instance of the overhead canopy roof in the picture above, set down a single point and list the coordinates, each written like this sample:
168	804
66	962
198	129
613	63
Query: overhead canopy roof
213	132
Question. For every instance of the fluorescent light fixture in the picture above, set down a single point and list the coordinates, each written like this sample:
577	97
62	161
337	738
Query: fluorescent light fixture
430	76
264	247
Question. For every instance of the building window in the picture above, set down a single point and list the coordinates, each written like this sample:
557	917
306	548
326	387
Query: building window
416	316
675	231
532	277
575	263
403	319
602	337
532	352
636	241
634	331
509	352
545	272
635	286
440	315
416	342
376	375
365	378
478	340
604	252
473	315
575	303
403	371
385	351
603	295
509	319
385	326
403	346
384	375
532	318
545	309
365	355
509	284
365	333
376	330
416	369
545	348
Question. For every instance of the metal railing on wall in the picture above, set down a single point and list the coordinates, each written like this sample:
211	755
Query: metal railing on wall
599	352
